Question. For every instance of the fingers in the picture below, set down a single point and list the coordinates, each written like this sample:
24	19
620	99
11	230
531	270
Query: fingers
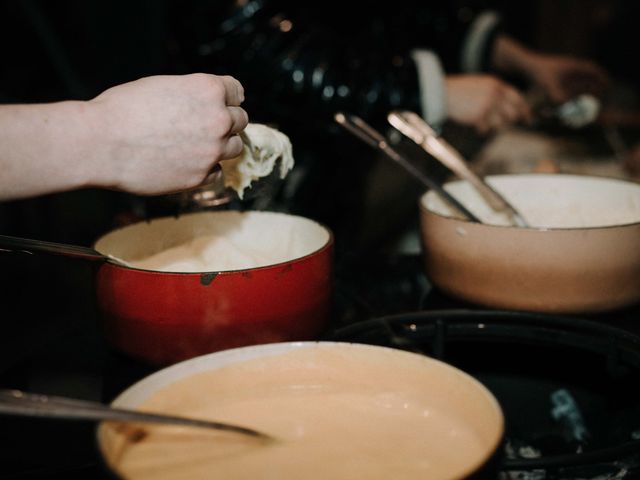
490	122
515	107
507	107
232	148
239	119
558	93
234	92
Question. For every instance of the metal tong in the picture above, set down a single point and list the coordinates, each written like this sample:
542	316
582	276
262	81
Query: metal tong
17	402
375	139
414	127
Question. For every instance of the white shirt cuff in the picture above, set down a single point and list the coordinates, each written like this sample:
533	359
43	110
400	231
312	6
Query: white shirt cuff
475	42
432	87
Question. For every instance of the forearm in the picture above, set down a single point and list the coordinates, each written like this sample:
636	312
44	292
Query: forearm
511	56
45	148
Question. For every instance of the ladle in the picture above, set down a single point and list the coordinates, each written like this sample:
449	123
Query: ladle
414	127
27	245
17	402
373	138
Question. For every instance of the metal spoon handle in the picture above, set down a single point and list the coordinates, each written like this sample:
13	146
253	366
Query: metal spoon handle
375	139
413	126
17	402
27	245
17	244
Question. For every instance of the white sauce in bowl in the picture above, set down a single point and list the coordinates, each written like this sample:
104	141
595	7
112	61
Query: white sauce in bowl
550	201
215	241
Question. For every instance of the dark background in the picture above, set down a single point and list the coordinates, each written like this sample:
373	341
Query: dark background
56	50
73	49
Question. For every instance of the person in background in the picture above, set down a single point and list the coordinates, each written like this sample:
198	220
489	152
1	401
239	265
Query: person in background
445	60
303	62
151	136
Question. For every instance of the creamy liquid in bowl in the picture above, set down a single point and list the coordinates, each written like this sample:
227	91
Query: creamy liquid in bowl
550	201
338	413
215	241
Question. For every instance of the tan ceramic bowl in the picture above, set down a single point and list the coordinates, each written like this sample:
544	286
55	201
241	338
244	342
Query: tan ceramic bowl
337	410
582	253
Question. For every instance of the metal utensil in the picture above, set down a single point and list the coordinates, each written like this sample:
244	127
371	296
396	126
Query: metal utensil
212	193
27	245
576	113
375	139
413	126
17	402
246	140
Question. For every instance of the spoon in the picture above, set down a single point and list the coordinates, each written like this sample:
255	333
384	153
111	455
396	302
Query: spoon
414	127
576	113
26	245
17	402
214	192
373	138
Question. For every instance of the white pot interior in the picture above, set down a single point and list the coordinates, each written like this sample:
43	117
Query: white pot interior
215	241
550	200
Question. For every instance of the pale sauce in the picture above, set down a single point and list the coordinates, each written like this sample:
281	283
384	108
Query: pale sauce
334	419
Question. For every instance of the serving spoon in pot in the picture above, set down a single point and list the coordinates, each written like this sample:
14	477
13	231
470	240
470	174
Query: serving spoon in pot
414	127
17	402
27	245
375	139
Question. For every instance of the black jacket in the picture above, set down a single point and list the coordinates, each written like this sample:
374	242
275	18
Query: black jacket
315	58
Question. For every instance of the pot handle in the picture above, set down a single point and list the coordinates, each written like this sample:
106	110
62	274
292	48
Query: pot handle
26	245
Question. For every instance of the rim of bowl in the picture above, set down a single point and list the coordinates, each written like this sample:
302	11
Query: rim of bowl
424	208
328	244
178	371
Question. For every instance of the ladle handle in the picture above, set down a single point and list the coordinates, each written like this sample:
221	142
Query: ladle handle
26	245
373	138
411	125
17	402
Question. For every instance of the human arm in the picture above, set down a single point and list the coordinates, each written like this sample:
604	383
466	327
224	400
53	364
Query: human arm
484	102
561	77
155	135
320	65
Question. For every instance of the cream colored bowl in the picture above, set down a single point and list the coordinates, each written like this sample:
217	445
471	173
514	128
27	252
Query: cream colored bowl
582	253
337	410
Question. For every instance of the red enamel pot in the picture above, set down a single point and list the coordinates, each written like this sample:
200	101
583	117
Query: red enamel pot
162	317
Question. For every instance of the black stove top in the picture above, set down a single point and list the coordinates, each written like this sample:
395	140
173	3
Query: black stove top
566	384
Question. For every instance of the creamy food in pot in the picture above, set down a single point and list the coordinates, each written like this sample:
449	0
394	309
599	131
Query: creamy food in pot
335	414
224	241
550	201
258	160
209	253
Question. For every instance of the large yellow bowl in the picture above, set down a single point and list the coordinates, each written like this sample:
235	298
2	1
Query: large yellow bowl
337	410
